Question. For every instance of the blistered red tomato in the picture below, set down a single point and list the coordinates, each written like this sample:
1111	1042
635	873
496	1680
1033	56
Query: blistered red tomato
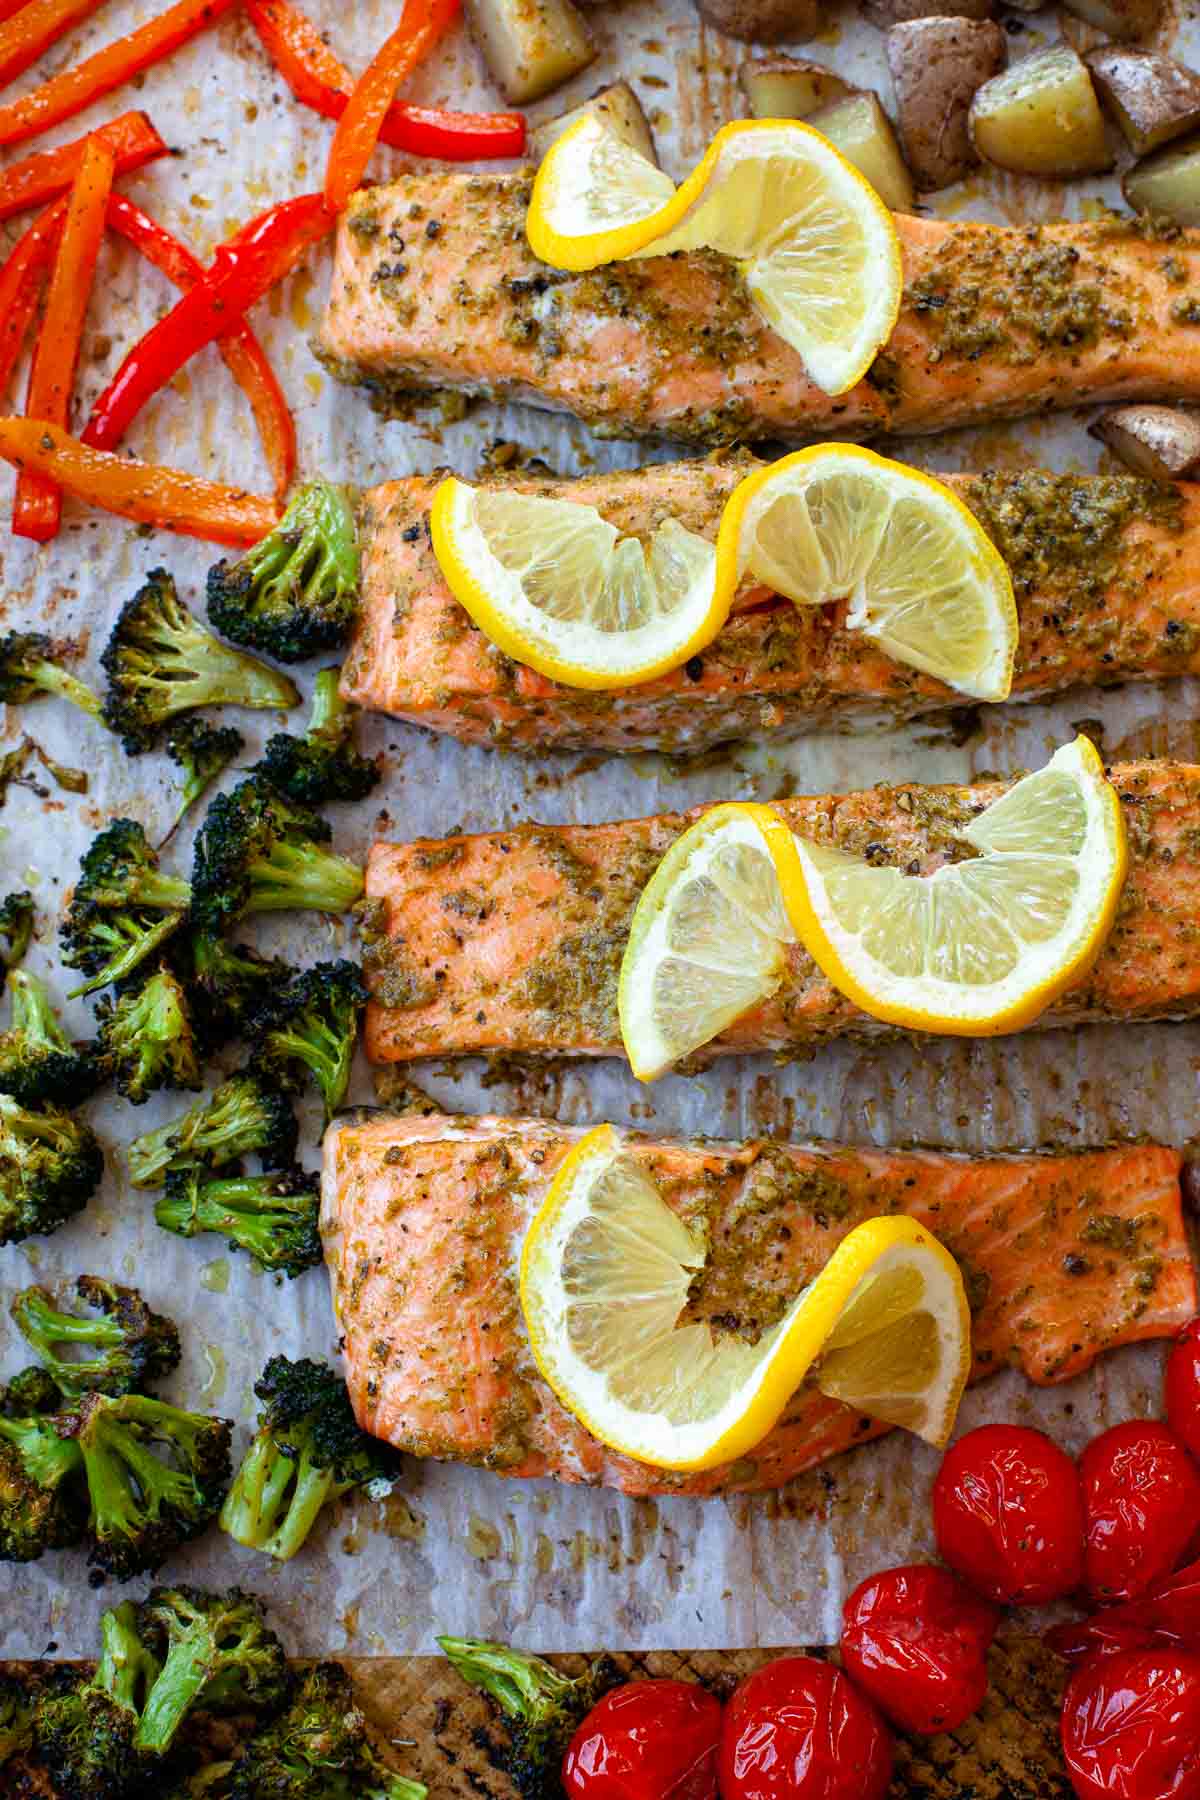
1183	1387
799	1729
1008	1515
1141	1497
916	1640
1131	1727
648	1740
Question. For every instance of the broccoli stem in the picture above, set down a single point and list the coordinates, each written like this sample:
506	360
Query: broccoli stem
183	1675
328	708
53	680
126	1668
32	1014
304	878
132	942
251	1513
518	1681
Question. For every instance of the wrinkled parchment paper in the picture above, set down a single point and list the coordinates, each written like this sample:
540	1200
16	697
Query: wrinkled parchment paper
455	1549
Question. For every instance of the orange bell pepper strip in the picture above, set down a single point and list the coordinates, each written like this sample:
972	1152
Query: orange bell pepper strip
421	25
40	177
31	31
76	87
37	510
145	492
21	283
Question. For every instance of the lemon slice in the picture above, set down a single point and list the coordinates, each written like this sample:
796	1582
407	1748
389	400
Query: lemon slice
814	243
709	935
922	577
984	945
557	587
606	1270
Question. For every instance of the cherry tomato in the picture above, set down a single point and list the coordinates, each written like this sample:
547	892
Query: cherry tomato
799	1729
648	1740
1131	1726
1183	1387
1167	1616
1141	1498
1008	1515
916	1640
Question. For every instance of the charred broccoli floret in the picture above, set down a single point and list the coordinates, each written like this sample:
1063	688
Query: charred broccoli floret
272	1217
161	661
123	907
32	1391
308	1449
132	1344
295	593
147	1040
318	1750
29	667
203	751
87	1735
50	1166
156	1476
42	1504
248	1113
16	1717
313	1021
323	765
543	1707
220	1654
109	946
255	852
38	1062
227	983
16	927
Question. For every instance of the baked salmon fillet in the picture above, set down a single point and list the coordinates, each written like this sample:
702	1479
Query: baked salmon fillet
435	286
511	941
423	1219
1106	571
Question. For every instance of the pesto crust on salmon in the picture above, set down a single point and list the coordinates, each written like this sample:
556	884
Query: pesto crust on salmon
1104	569
423	1219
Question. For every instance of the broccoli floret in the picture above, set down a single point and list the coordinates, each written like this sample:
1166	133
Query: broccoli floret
32	1391
87	1736
123	907
542	1706
272	1217
227	983
161	661
209	1783
16	1717
247	1113
313	1021
132	1344
38	1062
120	869
143	1505
16	927
203	751
323	765
50	1166
255	852
41	1497
318	1750
220	1655
307	1450
147	1040
29	667
296	592
109	946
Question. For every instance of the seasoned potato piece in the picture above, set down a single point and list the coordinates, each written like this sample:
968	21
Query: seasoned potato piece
1042	118
764	21
785	87
618	109
529	46
936	67
1152	98
862	131
897	12
1160	441
1168	183
1119	18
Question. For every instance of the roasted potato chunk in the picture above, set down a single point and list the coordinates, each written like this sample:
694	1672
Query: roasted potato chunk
1118	18
529	46
1160	441
862	131
936	67
785	87
1168	183
1042	118
619	111
1151	98
764	21
885	13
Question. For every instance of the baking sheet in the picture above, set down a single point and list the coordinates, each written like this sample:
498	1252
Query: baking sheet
457	1549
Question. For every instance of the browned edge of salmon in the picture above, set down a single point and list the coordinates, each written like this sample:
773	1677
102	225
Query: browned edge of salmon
1062	1256
1104	569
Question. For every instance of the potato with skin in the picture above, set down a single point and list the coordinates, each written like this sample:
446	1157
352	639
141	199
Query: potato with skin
1167	183
764	21
529	46
787	87
620	112
862	131
885	13
1162	442
936	67
1150	98
1042	118
1118	18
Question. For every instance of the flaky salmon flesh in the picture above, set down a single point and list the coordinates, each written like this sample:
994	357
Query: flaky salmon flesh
511	941
1063	1257
1105	571
435	286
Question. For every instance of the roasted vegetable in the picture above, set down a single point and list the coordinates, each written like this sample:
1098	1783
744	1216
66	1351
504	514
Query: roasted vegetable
294	594
313	1023
529	50
131	1344
620	112
123	907
1167	185
86	1734
29	667
1162	442
273	1217
323	765
1042	118
787	87
16	928
886	13
1151	98
764	21
1118	18
220	1654
16	1717
50	1166
255	852
248	1113
318	1750
862	131
227	983
147	1041
937	67
542	1706
39	1065
203	751
30	1391
42	1500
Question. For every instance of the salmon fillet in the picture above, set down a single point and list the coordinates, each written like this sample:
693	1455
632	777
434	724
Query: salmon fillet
1104	569
423	1219
511	941
435	286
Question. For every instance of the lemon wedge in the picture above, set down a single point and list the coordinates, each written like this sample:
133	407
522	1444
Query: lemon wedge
557	587
814	243
709	935
606	1270
982	945
922	577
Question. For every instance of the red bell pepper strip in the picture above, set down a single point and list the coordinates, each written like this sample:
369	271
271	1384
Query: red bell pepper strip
319	81
31	31
242	271
37	509
243	354
422	23
168	498
20	285
78	86
40	177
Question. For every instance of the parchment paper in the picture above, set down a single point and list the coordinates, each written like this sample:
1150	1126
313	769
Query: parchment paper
456	1549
